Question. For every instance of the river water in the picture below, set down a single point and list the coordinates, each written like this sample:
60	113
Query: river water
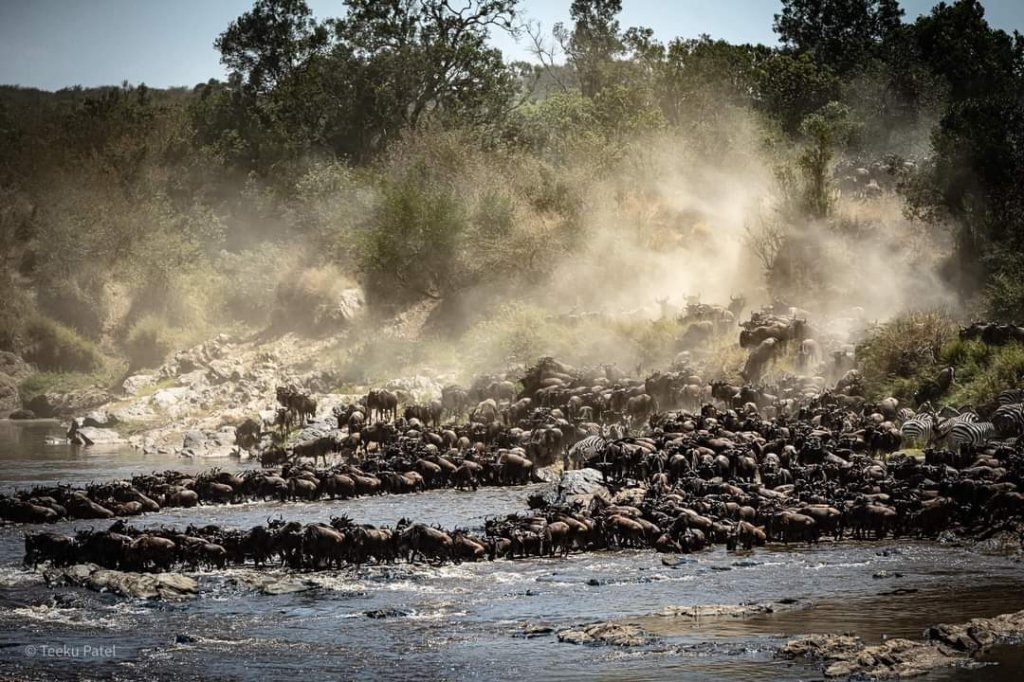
463	622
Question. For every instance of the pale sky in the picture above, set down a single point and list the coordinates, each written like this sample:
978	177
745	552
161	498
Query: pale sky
52	44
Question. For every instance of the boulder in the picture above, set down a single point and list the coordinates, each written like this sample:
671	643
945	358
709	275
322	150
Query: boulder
194	379
220	371
166	586
13	366
135	384
705	611
611	634
9	398
22	414
91	435
580	485
168	397
99	418
49	405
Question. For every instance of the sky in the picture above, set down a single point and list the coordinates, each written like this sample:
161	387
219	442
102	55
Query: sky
51	44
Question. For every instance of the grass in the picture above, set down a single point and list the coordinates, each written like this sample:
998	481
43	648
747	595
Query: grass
64	382
910	350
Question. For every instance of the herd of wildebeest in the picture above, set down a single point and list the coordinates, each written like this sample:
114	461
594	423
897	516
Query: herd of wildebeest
684	464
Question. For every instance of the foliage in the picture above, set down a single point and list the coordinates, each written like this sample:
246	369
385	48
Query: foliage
51	345
839	34
904	351
149	343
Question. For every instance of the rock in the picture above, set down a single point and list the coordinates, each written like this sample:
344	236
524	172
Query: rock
90	435
716	611
611	634
194	379
185	639
979	634
579	485
167	586
846	656
285	587
22	414
135	384
536	630
9	398
220	371
99	418
14	367
168	397
270	585
387	613
48	405
194	439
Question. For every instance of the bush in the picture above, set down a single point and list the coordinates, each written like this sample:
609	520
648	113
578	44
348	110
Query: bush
77	304
1006	296
149	342
906	350
51	345
1004	369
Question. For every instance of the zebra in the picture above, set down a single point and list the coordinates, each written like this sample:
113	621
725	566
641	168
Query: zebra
1009	419
943	427
1011	396
587	448
970	433
917	430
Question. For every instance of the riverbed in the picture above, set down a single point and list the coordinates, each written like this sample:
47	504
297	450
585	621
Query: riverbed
466	621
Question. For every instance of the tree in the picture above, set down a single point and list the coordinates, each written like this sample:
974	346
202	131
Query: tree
959	45
594	42
789	87
267	43
826	132
838	34
424	58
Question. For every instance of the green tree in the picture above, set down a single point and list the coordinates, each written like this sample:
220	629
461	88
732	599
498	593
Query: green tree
789	87
826	132
839	34
269	42
594	42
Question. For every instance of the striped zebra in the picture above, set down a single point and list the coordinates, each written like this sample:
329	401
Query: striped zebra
589	447
943	427
904	413
1009	419
1011	396
970	433
917	431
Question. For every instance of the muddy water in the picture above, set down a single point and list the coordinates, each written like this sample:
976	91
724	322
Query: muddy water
461	622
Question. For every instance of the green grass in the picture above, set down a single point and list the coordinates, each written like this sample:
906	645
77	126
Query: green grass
907	351
64	382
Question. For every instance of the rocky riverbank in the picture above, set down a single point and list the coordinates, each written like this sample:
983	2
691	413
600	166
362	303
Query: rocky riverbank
192	404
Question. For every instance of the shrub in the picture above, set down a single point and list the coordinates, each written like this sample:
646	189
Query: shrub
51	345
905	350
149	342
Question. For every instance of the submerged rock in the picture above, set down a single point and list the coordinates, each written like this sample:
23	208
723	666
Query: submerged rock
979	634
387	613
947	645
168	586
611	634
717	611
536	630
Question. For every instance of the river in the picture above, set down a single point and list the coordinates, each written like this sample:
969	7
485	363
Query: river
462	622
